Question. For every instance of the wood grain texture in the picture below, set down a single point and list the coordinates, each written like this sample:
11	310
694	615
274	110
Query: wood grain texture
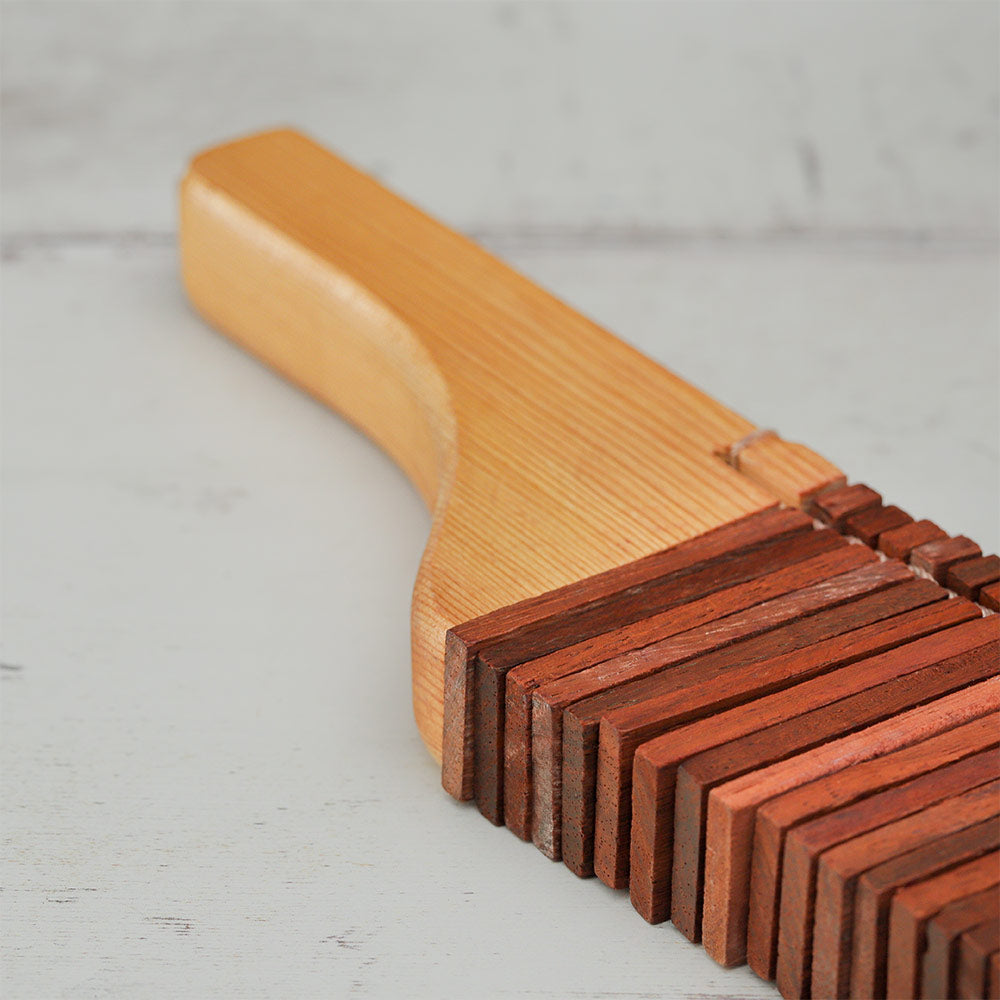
975	949
913	907
828	795
703	567
989	596
649	674
845	661
875	888
834	506
868	525
969	577
900	542
938	972
935	558
711	831
522	681
840	867
819	964
477	371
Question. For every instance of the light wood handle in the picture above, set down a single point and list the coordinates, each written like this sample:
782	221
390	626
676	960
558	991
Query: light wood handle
547	449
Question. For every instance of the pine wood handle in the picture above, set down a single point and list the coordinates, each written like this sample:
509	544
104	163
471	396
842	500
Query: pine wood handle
547	449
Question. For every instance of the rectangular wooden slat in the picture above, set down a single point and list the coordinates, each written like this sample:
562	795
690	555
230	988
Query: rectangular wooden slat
840	867
628	673
848	663
834	506
826	971
686	583
913	907
989	596
870	524
714	821
828	796
972	978
580	720
935	558
875	889
523	680
968	578
938	972
900	542
535	615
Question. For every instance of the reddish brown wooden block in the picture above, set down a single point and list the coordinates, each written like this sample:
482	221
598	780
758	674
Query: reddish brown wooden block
875	889
830	966
967	578
870	524
724	827
827	797
989	596
686	583
564	607
900	542
849	663
835	506
580	774
840	867
627	678
913	907
524	679
939	966
993	991
975	948
935	558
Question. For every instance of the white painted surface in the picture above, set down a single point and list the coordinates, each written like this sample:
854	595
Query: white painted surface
211	779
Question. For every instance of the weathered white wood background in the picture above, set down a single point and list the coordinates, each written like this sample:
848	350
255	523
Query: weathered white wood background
211	780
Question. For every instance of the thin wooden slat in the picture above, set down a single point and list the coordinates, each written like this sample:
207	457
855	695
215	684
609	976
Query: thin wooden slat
538	614
834	506
643	676
819	555
847	663
847	575
840	867
688	581
711	835
911	908
828	796
716	823
989	596
898	543
938	973
826	970
869	525
967	578
935	558
976	946
875	889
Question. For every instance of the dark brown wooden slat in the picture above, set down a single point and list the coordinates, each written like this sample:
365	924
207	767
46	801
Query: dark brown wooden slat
524	679
642	678
938	972
840	867
724	826
827	972
830	795
847	662
536	614
834	506
870	524
989	596
900	542
914	906
972	979
875	889
968	578
935	558
627	671
678	588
